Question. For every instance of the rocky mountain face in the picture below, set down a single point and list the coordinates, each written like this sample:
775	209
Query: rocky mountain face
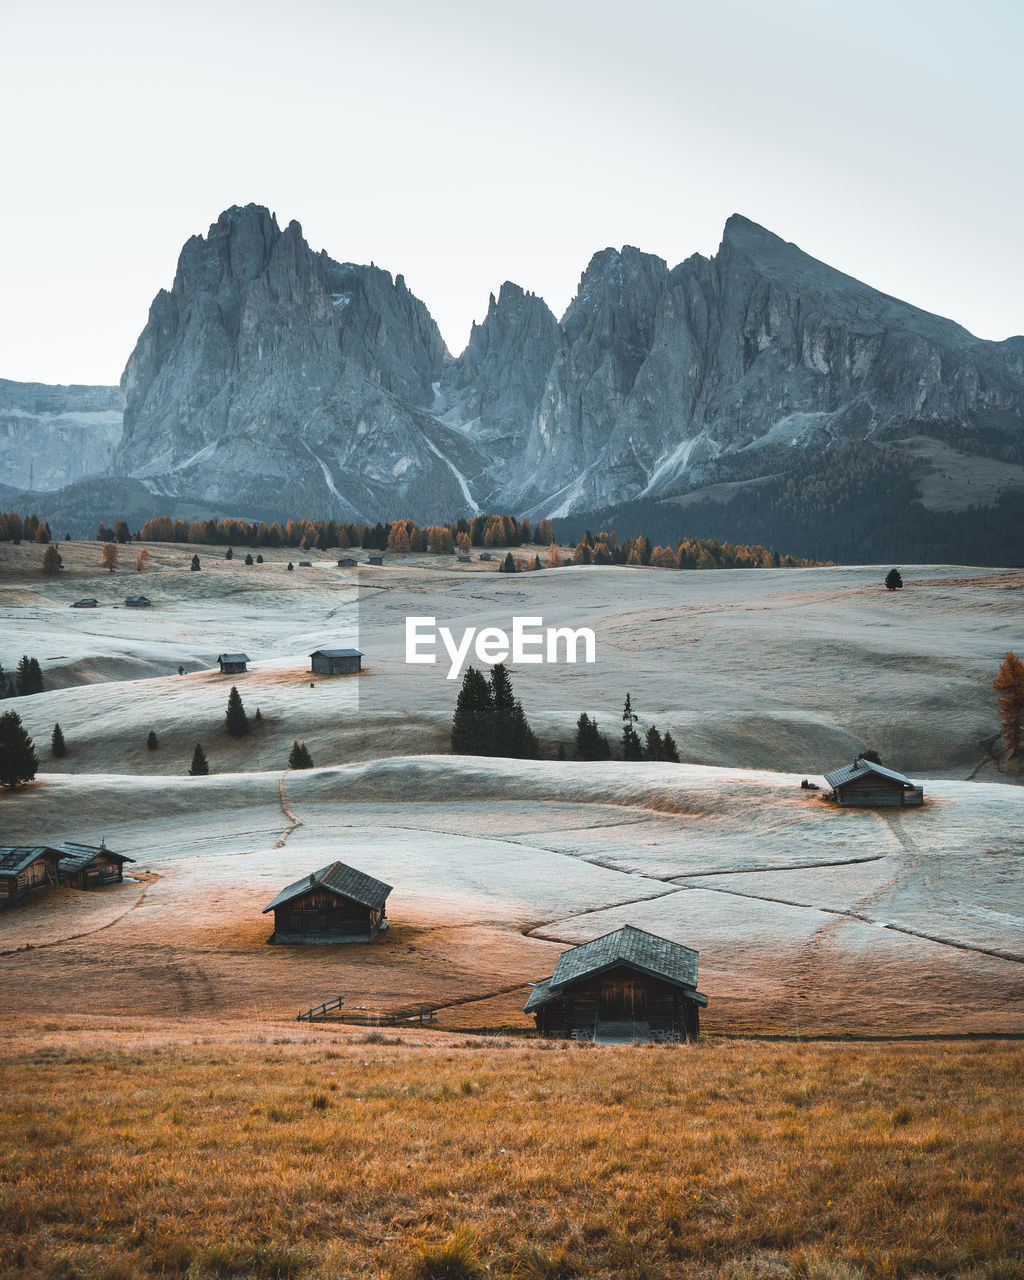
53	436
276	378
277	381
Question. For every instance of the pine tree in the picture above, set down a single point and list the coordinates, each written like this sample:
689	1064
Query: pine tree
632	748
590	743
52	563
508	565
893	580
654	745
30	676
58	747
871	755
248	558
258	717
235	720
195	566
473	722
151	741
199	766
291	567
259	559
1009	684
502	712
18	759
229	554
669	750
299	757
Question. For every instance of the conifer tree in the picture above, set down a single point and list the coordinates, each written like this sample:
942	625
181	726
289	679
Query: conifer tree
893	580
199	766
229	554
18	759
195	566
235	720
291	567
1009	684
590	743
248	558
58	747
151	741
669	750
632	748
52	562
654	745
258	717
473	722
30	676
299	757
508	565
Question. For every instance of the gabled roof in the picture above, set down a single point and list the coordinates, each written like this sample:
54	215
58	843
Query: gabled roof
860	769
233	657
136	599
628	945
345	881
74	856
336	653
15	858
540	994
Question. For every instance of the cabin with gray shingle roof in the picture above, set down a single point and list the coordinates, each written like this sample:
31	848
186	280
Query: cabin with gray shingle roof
626	985
25	868
336	662
335	904
233	664
90	866
866	784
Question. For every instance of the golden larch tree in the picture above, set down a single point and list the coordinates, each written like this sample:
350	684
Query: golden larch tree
1009	684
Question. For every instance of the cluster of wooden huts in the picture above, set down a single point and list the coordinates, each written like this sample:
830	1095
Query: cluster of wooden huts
322	662
80	866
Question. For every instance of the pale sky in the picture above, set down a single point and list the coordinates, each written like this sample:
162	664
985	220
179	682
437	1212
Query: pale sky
464	142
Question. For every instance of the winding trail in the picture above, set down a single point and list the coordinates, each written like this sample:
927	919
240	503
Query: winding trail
288	812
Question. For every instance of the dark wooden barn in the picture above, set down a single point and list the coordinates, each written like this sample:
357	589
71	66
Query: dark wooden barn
867	783
87	866
347	562
23	869
335	904
336	662
232	664
627	985
138	602
90	602
375	559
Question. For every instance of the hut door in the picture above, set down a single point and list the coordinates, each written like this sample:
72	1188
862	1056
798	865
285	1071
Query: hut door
623	997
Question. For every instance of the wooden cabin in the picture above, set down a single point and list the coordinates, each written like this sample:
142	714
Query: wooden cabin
627	985
24	869
347	562
335	904
138	602
335	662
86	866
89	602
864	783
377	558
233	664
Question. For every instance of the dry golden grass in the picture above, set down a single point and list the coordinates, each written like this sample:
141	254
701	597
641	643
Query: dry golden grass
370	1155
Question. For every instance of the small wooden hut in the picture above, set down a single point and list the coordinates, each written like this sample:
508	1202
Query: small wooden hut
233	664
23	869
87	866
138	602
346	562
335	662
335	904
864	783
626	985
89	602
375	558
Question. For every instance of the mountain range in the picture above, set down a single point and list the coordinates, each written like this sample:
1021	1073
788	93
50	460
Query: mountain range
272	380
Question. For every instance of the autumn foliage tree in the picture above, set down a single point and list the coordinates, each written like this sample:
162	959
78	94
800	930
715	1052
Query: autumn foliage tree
111	556
1009	685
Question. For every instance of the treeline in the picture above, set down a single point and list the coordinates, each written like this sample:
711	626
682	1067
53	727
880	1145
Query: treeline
15	528
324	535
459	536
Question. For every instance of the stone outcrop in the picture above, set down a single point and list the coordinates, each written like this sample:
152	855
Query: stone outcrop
52	436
